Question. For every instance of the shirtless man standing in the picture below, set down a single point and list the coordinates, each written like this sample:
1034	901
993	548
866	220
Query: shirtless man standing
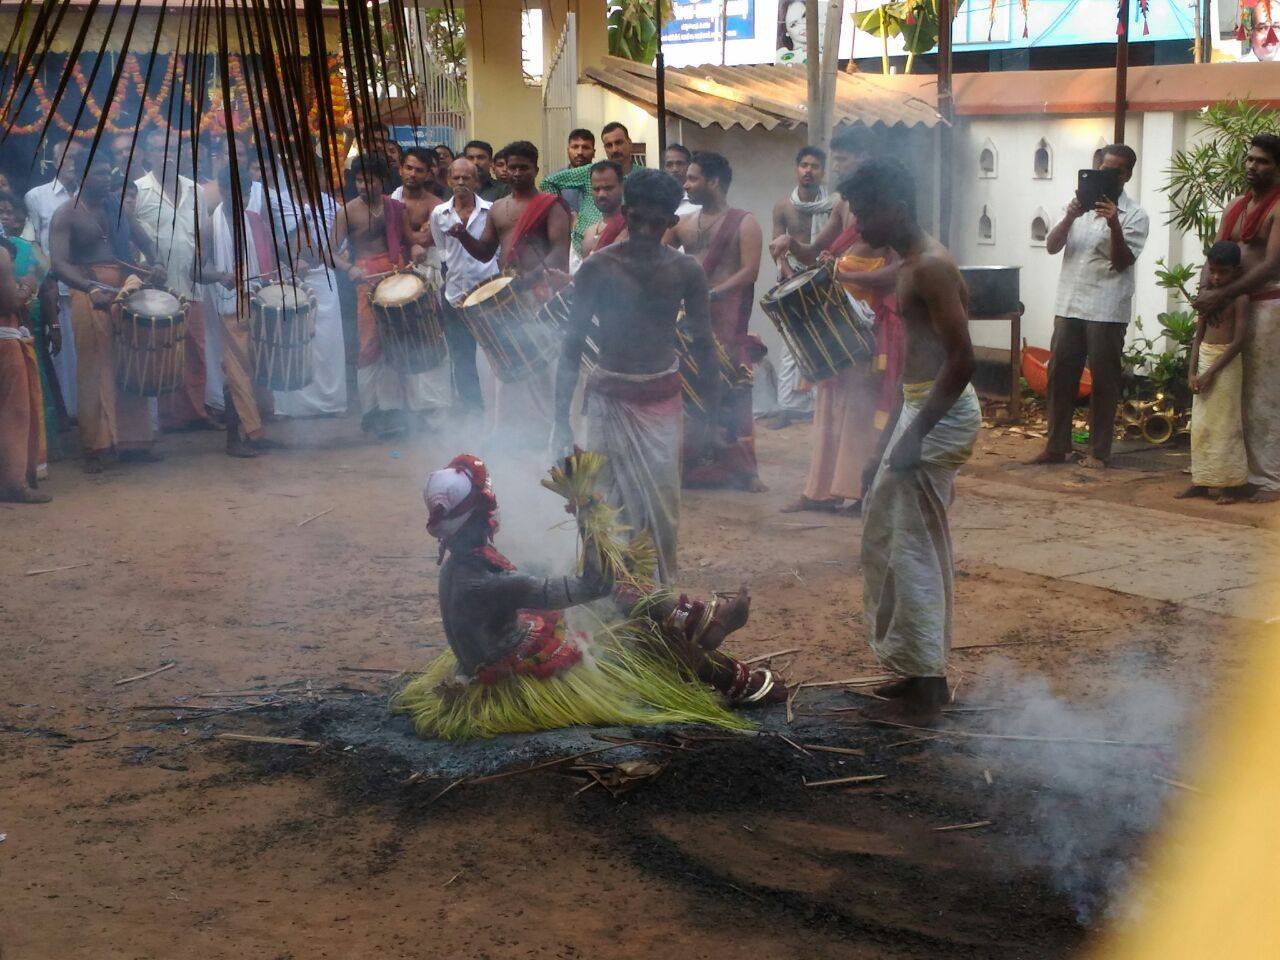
86	248
727	242
416	177
530	228
606	190
906	543
635	289
376	228
1253	221
801	215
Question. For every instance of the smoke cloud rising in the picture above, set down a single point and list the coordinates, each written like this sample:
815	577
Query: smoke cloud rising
1089	807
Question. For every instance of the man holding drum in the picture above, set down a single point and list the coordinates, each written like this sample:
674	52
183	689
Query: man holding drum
634	409
906	544
727	242
375	228
87	237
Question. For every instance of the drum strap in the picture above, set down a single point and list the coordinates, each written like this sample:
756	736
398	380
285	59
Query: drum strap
719	245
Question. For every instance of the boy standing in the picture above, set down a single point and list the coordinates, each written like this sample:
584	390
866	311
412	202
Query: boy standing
1218	464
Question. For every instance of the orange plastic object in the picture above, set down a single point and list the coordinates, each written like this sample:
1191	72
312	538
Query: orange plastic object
1035	369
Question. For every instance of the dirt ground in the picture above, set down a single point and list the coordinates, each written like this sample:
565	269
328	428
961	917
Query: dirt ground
132	832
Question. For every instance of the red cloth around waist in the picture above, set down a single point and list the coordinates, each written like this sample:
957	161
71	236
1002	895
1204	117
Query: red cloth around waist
649	390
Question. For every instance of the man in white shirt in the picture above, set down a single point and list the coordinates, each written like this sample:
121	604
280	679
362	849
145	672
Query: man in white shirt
1094	305
463	273
169	222
42	203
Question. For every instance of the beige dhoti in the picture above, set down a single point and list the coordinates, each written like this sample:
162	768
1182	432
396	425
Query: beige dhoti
21	406
1261	391
1217	432
109	419
844	408
238	375
907	562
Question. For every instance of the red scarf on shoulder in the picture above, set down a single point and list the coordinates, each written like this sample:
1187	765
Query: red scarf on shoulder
612	229
1253	222
532	221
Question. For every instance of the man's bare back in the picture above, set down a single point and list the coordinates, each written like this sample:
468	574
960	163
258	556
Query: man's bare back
637	301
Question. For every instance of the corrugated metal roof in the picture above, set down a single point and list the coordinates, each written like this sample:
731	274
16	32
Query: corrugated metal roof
765	96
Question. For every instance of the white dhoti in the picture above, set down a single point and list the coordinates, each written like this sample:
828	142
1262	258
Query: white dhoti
637	422
214	380
907	560
1217	435
327	391
793	397
1261	396
64	364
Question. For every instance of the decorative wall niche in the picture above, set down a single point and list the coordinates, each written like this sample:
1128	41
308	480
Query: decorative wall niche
988	161
986	227
1039	228
1042	162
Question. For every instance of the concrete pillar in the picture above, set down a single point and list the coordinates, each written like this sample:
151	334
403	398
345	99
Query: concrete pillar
593	30
1162	134
502	107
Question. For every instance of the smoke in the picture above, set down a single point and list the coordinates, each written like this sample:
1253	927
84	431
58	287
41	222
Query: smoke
1088	808
535	532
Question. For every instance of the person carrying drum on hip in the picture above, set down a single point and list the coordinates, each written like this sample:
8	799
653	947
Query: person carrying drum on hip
530	230
370	239
415	177
530	233
219	267
91	245
727	242
633	397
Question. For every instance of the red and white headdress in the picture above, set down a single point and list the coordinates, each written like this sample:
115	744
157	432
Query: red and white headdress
453	494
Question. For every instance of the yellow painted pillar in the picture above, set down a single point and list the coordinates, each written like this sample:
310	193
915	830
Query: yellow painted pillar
593	33
502	107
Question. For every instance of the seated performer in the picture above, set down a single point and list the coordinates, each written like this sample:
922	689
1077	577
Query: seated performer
374	226
634	409
516	665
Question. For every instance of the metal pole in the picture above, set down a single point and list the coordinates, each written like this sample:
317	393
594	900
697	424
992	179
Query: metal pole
946	110
1122	71
1208	28
813	68
660	65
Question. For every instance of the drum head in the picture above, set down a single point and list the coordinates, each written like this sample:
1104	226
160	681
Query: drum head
796	282
283	296
398	289
153	304
487	291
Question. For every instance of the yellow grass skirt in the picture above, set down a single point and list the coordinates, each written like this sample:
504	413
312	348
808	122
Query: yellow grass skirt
619	683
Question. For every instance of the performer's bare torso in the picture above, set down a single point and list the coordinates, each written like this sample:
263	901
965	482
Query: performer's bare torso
366	228
417	215
1253	251
925	354
87	233
637	301
695	233
505	214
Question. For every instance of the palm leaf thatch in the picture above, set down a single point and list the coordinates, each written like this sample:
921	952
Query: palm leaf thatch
282	69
